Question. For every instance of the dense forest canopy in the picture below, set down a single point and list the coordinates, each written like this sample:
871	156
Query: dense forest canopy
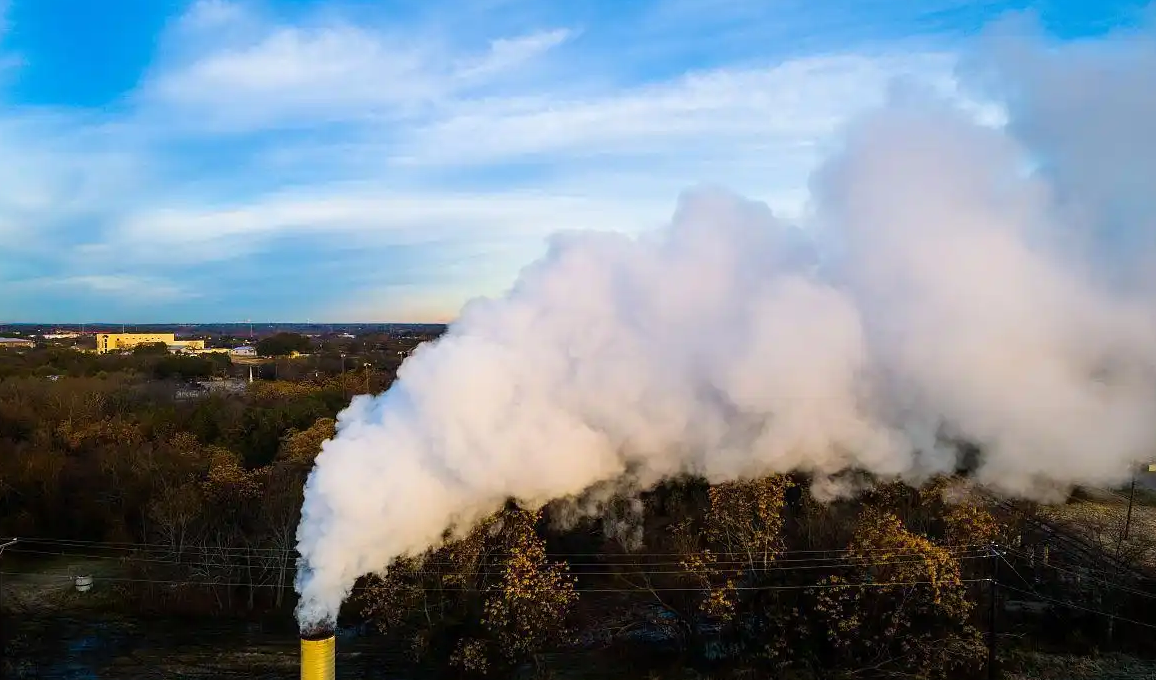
103	455
283	345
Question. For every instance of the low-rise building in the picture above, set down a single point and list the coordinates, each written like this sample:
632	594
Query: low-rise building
115	342
16	343
188	347
214	350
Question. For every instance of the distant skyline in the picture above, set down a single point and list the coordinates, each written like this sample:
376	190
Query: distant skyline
385	161
117	327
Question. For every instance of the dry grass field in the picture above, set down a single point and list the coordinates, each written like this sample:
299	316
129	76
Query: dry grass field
1100	516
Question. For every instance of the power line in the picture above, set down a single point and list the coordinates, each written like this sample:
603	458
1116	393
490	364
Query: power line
746	557
1076	606
1036	594
3	631
819	586
128	546
1023	555
124	545
774	564
112	545
1110	584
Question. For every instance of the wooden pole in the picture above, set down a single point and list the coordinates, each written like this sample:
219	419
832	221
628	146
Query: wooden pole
1128	517
992	613
3	638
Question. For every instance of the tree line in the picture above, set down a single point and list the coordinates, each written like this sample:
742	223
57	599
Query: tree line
198	502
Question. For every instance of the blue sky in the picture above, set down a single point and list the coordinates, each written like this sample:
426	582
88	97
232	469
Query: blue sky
167	160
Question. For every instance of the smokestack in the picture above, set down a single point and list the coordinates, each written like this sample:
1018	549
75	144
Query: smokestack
949	281
318	655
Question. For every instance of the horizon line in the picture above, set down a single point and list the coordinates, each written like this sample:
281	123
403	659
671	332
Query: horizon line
225	323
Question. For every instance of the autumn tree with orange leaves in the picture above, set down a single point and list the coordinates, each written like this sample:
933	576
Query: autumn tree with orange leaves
484	602
902	607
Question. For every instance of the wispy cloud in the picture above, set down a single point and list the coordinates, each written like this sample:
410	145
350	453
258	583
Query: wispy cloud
374	218
419	122
122	287
288	74
244	74
437	135
795	103
508	53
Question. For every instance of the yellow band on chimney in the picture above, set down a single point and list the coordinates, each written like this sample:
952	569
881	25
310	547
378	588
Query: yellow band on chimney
318	659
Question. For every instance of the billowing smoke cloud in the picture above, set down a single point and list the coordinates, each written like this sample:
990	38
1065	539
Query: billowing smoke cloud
953	284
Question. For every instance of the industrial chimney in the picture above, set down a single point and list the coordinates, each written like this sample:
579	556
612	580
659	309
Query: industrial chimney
318	655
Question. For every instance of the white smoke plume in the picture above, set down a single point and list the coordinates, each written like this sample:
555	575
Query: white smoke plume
956	280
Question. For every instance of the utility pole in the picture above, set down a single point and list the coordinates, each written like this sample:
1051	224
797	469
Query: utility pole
3	638
344	391
993	596
1128	517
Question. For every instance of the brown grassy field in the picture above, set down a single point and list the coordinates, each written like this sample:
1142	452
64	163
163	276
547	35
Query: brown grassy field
1035	666
1099	517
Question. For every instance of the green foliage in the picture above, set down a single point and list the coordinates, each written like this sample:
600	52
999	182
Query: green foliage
150	349
57	361
283	344
176	366
300	447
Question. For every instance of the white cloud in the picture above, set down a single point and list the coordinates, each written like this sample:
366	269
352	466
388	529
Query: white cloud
611	160
205	15
233	72
331	72
120	287
251	127
792	104
507	53
55	172
380	219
